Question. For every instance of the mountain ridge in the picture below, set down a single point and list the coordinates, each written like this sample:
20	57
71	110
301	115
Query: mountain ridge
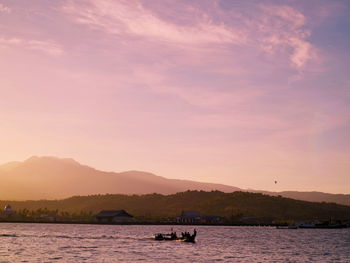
52	178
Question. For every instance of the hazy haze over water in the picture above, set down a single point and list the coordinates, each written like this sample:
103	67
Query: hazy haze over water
112	243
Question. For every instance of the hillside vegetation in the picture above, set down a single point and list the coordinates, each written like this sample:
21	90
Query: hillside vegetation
228	205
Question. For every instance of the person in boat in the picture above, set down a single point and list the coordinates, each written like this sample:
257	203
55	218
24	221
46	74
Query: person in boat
184	235
173	235
188	237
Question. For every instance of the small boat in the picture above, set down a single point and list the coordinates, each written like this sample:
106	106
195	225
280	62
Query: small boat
190	239
185	237
161	236
324	225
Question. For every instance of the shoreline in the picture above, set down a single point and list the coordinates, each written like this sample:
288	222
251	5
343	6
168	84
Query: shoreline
134	223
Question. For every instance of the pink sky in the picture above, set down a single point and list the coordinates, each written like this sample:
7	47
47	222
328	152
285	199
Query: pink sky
234	92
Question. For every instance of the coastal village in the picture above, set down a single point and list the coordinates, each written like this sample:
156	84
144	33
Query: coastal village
121	216
8	214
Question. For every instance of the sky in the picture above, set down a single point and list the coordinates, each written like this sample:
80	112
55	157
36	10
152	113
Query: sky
243	93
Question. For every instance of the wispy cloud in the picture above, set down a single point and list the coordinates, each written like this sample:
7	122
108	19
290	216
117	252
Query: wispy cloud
273	29
4	9
219	44
283	27
132	18
10	41
49	47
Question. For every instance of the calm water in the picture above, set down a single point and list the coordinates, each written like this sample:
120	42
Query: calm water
97	243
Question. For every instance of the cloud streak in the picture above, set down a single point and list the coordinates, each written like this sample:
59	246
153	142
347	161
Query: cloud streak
49	47
132	18
4	9
272	29
284	27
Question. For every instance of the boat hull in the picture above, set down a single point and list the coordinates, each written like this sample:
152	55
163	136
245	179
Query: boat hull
324	227
160	237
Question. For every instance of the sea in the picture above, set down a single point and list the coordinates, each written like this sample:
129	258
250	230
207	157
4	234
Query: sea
26	242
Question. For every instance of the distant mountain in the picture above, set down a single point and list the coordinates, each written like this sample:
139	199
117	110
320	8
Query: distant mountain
55	178
312	196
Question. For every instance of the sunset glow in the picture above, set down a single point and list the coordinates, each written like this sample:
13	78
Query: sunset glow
234	92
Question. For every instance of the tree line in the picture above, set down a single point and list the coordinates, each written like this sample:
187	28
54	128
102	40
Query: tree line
230	206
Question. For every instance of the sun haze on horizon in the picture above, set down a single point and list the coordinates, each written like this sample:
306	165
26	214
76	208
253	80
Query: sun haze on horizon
239	93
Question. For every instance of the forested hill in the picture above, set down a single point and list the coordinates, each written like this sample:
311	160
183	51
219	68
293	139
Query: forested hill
228	205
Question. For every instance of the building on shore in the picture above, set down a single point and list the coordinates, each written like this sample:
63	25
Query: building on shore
188	217
9	214
194	217
114	216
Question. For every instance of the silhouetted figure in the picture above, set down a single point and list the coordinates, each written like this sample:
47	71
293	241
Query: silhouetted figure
173	235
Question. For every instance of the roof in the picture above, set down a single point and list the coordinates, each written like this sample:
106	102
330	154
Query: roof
113	213
7	207
190	214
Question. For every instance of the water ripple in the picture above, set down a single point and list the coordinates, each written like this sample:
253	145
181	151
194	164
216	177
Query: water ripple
97	243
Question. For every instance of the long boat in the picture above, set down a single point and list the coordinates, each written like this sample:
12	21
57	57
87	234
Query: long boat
324	225
185	237
333	226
